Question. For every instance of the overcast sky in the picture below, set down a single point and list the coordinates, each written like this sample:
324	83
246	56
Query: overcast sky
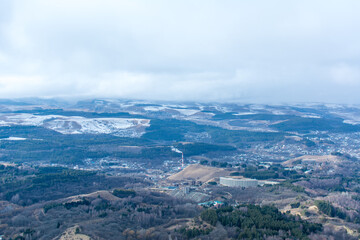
228	50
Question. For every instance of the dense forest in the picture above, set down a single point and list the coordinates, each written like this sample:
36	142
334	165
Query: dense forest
260	222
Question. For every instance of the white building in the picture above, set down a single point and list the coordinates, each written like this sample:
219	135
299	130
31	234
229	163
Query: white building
239	182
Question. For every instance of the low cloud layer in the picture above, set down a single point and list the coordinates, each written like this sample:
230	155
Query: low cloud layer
263	51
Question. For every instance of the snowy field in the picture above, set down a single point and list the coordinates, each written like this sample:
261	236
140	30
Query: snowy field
131	127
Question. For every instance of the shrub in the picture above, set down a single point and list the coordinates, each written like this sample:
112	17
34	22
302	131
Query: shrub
123	193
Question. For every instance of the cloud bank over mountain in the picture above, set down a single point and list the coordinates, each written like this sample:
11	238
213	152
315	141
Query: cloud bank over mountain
263	51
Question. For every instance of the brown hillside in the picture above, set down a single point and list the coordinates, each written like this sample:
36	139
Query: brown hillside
199	173
314	158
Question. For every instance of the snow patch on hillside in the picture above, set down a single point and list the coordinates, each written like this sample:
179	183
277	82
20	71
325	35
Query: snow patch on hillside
186	112
244	113
154	108
14	139
127	127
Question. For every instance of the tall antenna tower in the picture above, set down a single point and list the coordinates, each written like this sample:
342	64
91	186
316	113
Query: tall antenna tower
182	156
182	160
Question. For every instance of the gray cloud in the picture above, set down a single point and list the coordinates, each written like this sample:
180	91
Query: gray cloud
263	51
